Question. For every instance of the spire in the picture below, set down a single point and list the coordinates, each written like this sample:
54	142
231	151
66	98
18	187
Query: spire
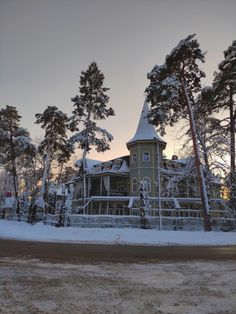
145	130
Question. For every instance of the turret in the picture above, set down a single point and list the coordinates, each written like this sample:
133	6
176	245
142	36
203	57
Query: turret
145	148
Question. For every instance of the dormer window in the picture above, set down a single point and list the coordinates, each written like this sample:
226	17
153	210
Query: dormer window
107	166
146	157
98	168
117	164
134	158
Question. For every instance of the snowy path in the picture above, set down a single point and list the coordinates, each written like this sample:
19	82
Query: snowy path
45	233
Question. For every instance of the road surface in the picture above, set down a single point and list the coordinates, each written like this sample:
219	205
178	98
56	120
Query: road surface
69	252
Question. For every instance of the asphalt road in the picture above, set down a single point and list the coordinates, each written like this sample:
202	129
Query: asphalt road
67	252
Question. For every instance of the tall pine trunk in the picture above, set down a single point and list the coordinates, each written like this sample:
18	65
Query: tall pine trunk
84	176
232	151
86	148
45	173
201	179
207	171
14	173
60	174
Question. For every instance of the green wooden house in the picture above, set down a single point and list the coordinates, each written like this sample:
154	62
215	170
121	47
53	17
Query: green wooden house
113	186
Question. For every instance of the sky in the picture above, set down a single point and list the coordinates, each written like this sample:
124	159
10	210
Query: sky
45	44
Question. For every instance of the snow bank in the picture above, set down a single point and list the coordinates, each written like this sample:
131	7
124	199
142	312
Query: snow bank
42	232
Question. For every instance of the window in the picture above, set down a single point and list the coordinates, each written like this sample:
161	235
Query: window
134	185
134	158
117	164
98	167
120	187
107	166
147	182
146	157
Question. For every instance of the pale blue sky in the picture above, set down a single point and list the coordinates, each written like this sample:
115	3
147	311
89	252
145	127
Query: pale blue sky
45	44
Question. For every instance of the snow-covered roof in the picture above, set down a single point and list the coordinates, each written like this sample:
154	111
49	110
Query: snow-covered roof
102	167
90	163
124	167
184	160
145	130
121	168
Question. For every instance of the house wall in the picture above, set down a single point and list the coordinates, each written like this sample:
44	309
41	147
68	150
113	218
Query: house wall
141	169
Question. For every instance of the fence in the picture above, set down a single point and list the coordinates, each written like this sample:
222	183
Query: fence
113	221
126	221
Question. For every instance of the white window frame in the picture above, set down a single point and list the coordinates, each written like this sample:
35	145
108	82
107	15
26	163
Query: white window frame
136	182
134	158
146	153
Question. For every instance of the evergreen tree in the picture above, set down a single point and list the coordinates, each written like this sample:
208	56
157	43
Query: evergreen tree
63	158
89	107
171	93
225	90
54	145
67	174
15	144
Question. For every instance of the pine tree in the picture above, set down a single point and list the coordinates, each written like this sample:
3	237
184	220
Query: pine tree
67	173
212	136
171	93
225	90
15	144
89	107
54	145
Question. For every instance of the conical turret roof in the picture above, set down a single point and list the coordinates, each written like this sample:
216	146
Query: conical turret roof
145	130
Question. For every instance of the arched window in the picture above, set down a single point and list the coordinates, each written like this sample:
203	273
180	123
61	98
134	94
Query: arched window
134	158
134	185
146	157
147	182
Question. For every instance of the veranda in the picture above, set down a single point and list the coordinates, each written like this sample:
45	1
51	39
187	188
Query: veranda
117	211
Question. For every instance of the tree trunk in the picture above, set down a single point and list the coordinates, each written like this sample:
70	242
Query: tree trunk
201	179
15	181
207	175
84	176
232	151
60	174
58	182
45	173
86	149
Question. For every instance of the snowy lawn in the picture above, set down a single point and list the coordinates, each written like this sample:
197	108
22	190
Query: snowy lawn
46	233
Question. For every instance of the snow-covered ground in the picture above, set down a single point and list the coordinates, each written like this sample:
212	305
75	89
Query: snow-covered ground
194	287
42	232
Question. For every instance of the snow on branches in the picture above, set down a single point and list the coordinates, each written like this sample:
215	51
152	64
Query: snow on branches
171	94
89	107
165	91
144	198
